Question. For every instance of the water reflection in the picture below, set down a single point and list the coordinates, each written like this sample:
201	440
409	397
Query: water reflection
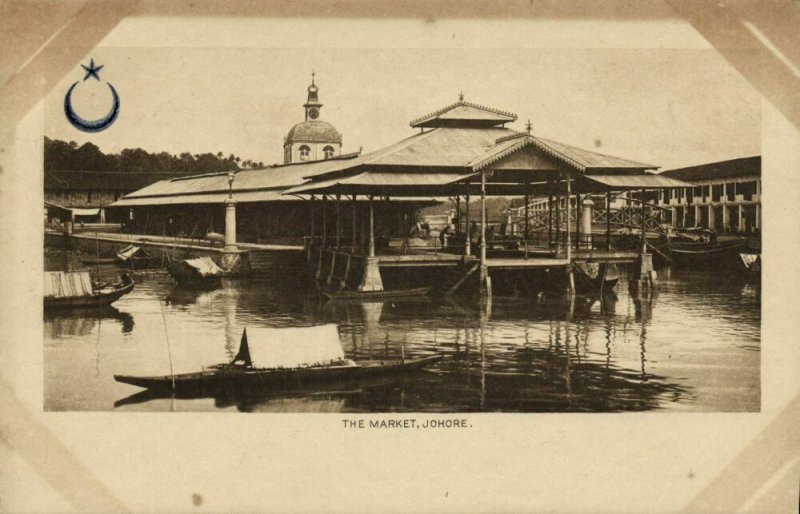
84	321
692	346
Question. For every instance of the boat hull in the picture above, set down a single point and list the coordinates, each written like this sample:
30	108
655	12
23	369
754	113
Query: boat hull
232	377
372	295
705	254
94	300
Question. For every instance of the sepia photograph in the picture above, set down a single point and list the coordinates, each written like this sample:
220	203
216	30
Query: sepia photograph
365	256
318	231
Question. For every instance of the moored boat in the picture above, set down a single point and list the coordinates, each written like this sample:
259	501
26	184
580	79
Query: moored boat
201	271
706	254
281	357
75	290
375	295
135	257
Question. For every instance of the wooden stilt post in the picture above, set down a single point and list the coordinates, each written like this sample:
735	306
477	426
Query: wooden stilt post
570	278
338	220
485	281
549	214
311	236
458	213
568	213
578	232
527	213
324	237
558	220
467	231
483	218
608	220
371	228
355	228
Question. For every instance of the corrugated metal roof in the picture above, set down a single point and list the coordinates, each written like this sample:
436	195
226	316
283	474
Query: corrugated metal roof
409	183
203	198
273	179
646	181
742	167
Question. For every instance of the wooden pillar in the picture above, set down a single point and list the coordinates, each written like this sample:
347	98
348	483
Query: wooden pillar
324	221
338	220
644	236
311	235
458	213
549	214
569	229
466	224
578	232
371	251
355	229
527	200
483	217
558	220
608	220
485	282
570	289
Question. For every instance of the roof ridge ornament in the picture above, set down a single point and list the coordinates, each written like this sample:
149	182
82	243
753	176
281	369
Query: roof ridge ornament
463	103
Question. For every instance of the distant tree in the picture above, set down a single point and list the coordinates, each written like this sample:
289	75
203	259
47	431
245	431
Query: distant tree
63	156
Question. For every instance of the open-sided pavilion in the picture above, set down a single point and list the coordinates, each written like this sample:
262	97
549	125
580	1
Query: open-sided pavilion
465	150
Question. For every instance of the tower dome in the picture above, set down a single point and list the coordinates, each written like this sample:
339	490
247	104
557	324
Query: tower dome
312	139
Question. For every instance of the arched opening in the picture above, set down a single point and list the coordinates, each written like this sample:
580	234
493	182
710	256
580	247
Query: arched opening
305	151
328	152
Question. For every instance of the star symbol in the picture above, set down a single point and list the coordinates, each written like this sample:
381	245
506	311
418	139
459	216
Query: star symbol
92	70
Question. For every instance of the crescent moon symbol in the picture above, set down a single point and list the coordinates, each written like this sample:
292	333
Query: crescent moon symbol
91	125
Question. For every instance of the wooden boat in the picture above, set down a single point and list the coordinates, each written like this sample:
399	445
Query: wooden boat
376	295
705	254
135	257
75	290
288	357
201	271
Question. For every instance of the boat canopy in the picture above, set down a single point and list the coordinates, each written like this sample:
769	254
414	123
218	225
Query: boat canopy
270	348
61	284
129	251
204	266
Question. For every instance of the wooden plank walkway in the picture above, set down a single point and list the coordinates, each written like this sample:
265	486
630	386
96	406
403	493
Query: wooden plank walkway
526	263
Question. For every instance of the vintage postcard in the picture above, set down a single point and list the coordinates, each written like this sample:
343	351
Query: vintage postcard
318	257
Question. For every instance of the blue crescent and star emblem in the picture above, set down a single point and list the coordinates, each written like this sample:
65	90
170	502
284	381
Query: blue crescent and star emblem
97	125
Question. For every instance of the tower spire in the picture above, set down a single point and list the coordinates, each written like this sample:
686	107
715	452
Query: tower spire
312	105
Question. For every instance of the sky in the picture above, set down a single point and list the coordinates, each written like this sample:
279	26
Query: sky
651	91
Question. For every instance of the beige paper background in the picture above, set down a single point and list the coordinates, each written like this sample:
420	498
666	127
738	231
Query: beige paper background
156	462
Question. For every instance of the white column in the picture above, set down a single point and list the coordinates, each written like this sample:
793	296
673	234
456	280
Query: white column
230	225
586	222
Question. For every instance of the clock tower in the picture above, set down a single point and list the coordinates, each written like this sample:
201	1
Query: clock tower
312	139
312	105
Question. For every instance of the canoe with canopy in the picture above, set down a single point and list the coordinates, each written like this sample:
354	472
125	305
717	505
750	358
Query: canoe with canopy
282	357
75	289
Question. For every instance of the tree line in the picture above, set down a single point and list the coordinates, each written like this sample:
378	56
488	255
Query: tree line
69	156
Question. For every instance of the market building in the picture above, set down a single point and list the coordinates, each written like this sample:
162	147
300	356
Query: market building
726	196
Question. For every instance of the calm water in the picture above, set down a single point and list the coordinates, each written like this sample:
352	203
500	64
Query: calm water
695	346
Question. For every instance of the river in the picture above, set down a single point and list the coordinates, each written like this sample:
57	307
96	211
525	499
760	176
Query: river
693	346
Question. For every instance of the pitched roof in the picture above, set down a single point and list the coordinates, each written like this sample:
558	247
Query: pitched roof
213	187
741	167
464	114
